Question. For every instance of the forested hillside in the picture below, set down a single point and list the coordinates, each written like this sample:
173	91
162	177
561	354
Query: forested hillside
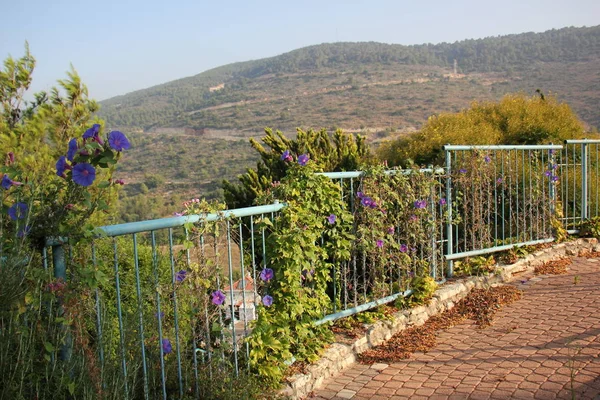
274	89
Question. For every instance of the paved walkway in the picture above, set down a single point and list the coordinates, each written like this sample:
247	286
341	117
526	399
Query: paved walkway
545	346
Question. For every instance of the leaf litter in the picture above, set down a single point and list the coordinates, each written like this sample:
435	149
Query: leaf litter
480	305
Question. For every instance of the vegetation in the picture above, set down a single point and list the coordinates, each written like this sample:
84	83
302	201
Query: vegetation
516	119
339	152
57	182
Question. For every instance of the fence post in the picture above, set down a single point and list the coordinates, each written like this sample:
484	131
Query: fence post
584	181
60	272
449	243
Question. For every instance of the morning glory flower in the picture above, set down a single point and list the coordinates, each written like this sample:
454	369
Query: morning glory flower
286	156
360	195
331	219
92	132
84	174
420	204
167	348
160	315
117	141
403	248
62	166
17	211
7	182
499	180
180	276
267	274
391	230
72	149
548	173
555	178
379	243
442	201
303	159
218	297
487	159
462	170
267	300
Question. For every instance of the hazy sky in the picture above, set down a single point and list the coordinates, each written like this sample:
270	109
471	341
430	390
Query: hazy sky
118	46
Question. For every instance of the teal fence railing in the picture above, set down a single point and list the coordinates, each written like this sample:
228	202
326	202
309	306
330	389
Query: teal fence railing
156	326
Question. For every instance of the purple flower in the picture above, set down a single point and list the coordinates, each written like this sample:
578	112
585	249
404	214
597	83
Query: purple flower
403	248
180	276
462	170
62	166
379	243
178	214
218	297
267	301
117	141
442	202
366	201
420	204
160	315
267	274
391	230
487	159
286	156
119	182
360	195
23	231
7	182
72	149
555	178
413	218
499	180
84	174
166	346
551	151
548	173
303	159
17	211
92	132
331	219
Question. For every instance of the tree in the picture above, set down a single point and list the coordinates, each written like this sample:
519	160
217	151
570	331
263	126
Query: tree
516	119
339	152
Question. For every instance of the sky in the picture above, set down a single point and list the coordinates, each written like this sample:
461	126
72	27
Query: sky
118	46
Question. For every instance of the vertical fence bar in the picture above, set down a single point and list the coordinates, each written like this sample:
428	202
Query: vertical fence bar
449	249
140	314
120	316
159	316
584	181
175	313
231	288
60	272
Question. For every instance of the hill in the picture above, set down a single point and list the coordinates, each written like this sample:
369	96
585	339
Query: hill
374	88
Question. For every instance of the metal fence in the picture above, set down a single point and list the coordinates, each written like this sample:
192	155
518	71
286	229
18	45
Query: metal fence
579	168
156	319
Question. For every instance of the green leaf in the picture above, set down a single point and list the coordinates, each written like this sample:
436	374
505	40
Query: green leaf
49	347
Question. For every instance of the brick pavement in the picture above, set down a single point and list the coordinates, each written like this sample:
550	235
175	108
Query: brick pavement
545	346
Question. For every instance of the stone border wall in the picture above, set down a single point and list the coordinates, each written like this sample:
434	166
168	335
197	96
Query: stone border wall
339	356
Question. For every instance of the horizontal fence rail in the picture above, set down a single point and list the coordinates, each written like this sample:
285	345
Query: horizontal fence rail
178	296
